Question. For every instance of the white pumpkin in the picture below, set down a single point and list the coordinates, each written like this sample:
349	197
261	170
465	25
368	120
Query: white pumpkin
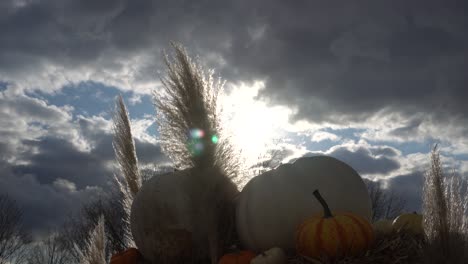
164	221
273	204
159	211
272	256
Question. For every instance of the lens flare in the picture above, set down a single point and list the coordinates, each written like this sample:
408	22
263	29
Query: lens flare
197	133
214	139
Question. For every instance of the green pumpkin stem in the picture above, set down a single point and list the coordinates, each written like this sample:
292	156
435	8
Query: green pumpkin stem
326	210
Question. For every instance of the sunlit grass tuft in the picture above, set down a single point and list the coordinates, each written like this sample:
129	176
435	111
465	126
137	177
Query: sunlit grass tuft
445	219
95	251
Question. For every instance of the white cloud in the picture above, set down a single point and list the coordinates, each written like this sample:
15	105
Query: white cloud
322	135
140	127
394	127
64	185
135	99
26	118
127	72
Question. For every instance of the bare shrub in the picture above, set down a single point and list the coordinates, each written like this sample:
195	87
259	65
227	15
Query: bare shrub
51	250
13	236
76	230
386	204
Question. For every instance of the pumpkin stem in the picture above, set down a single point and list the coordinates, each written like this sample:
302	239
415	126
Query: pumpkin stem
326	210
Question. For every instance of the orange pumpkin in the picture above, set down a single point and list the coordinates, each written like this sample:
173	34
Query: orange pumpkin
241	257
333	235
129	256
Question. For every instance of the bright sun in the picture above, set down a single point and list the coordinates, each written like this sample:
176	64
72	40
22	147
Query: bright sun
254	125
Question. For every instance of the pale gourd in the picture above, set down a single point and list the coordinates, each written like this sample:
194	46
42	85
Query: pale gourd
273	204
160	215
271	256
162	221
412	223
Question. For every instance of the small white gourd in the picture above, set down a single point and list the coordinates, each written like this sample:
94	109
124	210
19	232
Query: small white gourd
272	256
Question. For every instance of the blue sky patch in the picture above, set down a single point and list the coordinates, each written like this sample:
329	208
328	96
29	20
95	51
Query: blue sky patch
93	98
3	86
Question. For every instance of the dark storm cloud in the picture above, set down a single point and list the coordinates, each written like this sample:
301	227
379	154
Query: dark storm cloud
336	61
384	151
409	129
44	206
364	162
73	33
58	158
353	60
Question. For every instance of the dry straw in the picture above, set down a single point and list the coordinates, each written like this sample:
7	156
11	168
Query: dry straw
95	249
124	148
445	219
125	153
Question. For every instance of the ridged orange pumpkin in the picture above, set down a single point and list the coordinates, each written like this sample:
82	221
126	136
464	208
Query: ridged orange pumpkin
333	235
129	256
241	257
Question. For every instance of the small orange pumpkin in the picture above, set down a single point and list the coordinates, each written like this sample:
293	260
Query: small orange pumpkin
241	257
129	256
333	235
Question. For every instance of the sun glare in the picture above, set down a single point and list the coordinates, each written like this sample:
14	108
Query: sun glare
254	126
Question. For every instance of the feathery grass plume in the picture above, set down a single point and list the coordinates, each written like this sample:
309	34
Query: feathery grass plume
124	147
188	105
125	153
126	203
445	220
192	136
95	250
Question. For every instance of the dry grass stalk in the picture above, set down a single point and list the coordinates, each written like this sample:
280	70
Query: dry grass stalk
124	147
126	203
445	220
125	153
95	250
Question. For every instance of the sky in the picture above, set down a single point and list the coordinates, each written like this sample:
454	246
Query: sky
374	83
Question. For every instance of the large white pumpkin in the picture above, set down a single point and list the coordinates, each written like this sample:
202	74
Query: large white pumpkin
273	204
160	214
166	222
